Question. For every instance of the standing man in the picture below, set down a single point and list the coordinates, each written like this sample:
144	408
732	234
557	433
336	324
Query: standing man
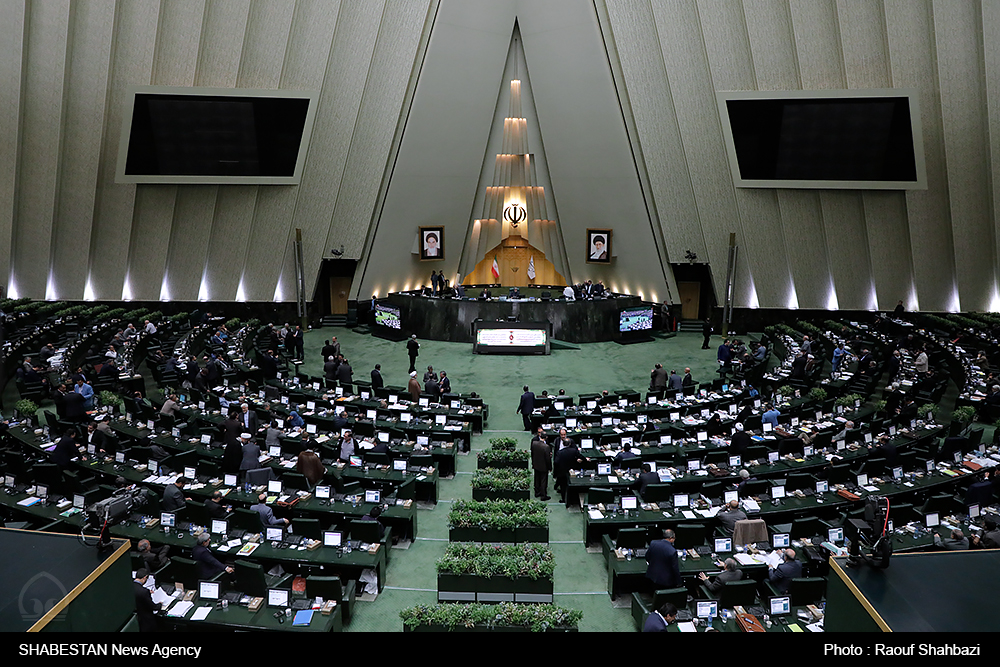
525	407
541	463
706	331
688	381
662	567
298	342
377	382
725	354
413	387
658	378
411	348
144	607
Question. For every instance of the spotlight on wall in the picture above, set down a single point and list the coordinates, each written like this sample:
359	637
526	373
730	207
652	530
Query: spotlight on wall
690	257
337	252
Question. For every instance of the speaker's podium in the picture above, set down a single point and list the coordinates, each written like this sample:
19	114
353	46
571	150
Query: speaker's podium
945	591
54	583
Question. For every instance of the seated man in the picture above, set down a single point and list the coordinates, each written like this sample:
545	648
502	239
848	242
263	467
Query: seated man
214	506
267	517
373	515
729	515
660	619
990	538
957	542
645	478
173	496
732	572
782	575
153	559
206	564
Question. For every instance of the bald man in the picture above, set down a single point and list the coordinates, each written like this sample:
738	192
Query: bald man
788	569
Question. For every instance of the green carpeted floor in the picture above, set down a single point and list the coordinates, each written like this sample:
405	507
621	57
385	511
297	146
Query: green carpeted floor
581	577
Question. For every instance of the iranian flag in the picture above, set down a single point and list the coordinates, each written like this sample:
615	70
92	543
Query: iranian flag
531	268
495	269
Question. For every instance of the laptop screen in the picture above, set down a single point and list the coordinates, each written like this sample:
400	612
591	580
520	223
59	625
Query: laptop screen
707	609
781	606
680	500
373	496
208	590
603	468
399	464
322	492
275	534
781	540
219	527
277	597
274	486
167	519
332	538
723	545
629	502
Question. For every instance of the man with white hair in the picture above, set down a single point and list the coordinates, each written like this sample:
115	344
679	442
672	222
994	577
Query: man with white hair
251	453
732	572
247	418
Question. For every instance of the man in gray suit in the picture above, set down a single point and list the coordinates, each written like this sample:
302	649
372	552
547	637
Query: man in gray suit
173	497
729	515
251	453
267	517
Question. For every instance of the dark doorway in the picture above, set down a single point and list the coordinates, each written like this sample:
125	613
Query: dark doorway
695	293
334	286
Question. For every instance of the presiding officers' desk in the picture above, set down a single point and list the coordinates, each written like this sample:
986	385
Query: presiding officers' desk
239	617
451	318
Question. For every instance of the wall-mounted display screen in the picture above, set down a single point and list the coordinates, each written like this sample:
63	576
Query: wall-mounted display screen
848	139
387	316
636	319
213	135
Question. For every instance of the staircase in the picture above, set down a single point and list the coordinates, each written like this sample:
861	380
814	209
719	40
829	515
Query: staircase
334	321
690	325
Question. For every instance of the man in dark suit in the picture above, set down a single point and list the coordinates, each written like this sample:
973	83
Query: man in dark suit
247	419
145	609
706	331
541	464
214	507
269	365
782	575
330	368
658	378
152	558
207	565
66	450
661	618
525	407
377	382
327	351
662	567
345	374
731	573
565	460
688	381
432	387
411	349
646	477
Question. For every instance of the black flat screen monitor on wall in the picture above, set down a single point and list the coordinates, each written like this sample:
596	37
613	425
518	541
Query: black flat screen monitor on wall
843	139
213	135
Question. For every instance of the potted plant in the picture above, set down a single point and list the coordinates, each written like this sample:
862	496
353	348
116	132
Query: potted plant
501	617
523	569
926	412
112	400
26	408
501	483
498	521
964	415
818	394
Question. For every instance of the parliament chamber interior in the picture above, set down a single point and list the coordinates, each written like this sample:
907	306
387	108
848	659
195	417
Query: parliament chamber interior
480	315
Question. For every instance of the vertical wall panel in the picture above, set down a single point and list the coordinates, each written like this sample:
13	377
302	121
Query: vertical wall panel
83	120
190	231
227	246
913	56
260	67
638	47
966	141
866	65
218	65
772	43
38	174
12	17
307	66
174	62
131	64
392	62
687	67
817	43
732	68
991	74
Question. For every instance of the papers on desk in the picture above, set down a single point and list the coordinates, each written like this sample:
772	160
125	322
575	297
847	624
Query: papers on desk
613	479
160	596
815	627
710	512
180	609
596	514
748	559
29	501
686	626
750	505
775	558
247	549
200	613
688	514
303	617
870	488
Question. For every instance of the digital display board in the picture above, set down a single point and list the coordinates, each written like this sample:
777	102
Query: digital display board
511	337
636	319
387	316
